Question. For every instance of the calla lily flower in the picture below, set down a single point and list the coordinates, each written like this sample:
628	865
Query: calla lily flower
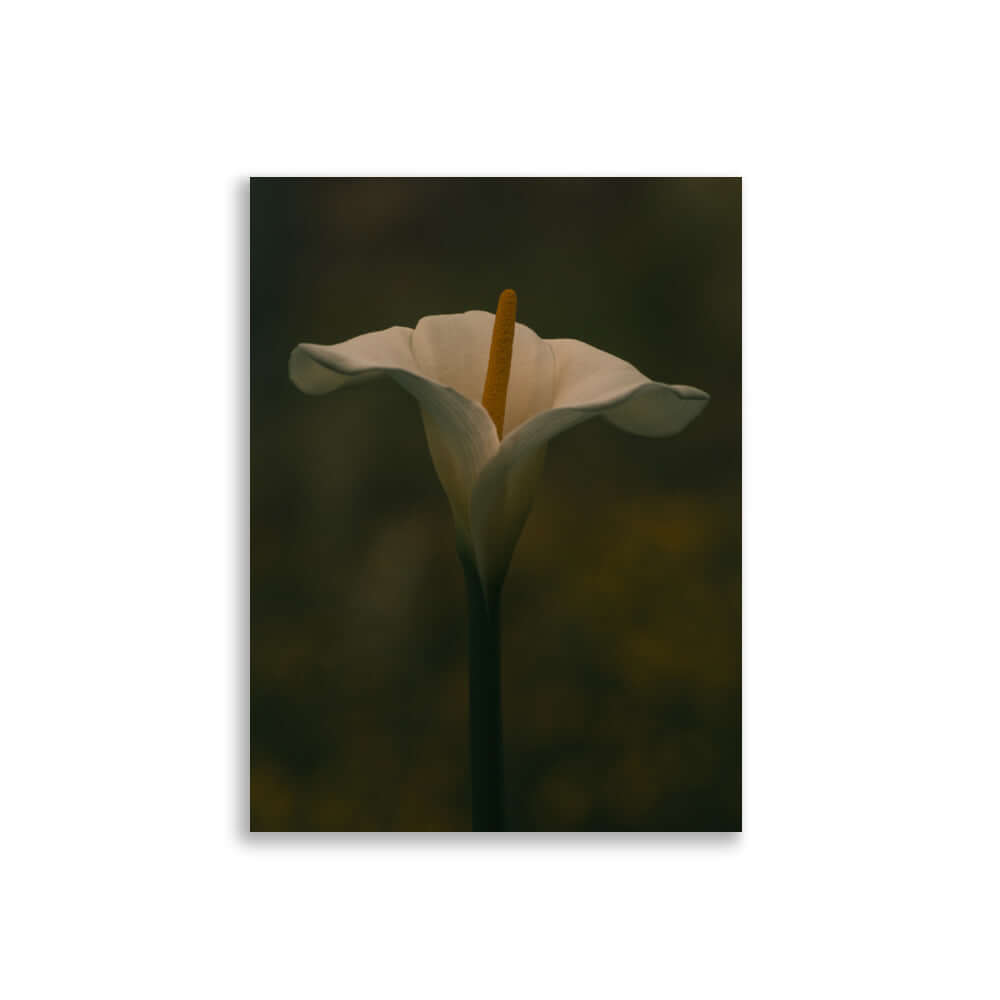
476	375
489	463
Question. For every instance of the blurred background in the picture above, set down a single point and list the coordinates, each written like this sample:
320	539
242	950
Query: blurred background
621	614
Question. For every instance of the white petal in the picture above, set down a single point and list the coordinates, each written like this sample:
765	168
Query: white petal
460	433
455	350
588	383
318	369
500	505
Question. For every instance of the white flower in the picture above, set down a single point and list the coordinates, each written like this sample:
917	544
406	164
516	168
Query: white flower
553	385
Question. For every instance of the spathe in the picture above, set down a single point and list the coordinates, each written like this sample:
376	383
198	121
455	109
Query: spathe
554	385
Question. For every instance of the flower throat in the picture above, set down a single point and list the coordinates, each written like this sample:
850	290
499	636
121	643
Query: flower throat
501	352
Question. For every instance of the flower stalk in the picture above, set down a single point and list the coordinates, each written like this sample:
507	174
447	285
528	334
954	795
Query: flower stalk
485	716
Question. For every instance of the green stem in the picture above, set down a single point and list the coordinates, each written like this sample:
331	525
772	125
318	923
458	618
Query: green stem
485	728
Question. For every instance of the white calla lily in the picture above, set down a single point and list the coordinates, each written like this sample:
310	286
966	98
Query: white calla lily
531	388
553	385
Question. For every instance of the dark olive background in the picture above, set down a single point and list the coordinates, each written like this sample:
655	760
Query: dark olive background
621	615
